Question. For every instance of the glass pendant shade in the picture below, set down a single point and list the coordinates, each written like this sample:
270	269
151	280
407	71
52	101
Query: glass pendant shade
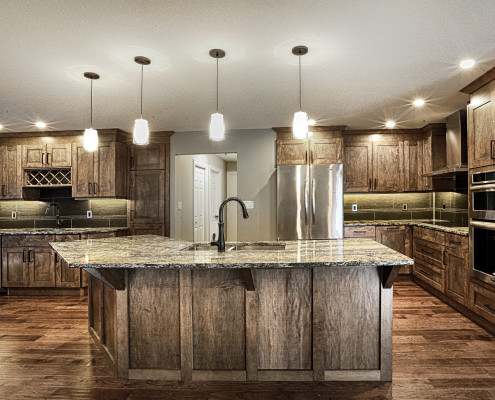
300	125
141	132
90	140
217	127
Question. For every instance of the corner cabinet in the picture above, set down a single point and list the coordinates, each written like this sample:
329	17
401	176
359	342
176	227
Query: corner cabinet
323	146
102	173
11	174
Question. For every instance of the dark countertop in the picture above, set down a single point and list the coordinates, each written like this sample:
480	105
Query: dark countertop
63	231
458	230
159	252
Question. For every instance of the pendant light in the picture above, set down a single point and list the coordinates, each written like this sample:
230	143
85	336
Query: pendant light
141	133
300	122
217	126
90	138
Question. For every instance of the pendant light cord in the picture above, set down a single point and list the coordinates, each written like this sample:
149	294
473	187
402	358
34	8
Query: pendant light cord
300	102
91	107
142	67
217	85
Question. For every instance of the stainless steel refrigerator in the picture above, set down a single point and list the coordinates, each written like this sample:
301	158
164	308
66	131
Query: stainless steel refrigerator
310	202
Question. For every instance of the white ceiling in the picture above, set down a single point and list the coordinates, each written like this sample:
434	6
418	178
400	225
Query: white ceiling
367	61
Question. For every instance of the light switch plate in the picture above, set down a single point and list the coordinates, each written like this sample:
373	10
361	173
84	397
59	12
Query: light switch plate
179	205
249	204
354	207
14	214
89	214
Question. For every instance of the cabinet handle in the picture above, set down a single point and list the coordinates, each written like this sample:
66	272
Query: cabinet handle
392	229
23	256
359	231
3	190
454	242
306	157
492	147
42	158
132	161
89	188
444	258
29	255
375	185
56	259
426	251
426	273
490	308
96	187
369	183
47	162
312	158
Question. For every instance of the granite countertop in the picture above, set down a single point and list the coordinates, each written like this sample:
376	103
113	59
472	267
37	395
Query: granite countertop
458	230
159	252
53	231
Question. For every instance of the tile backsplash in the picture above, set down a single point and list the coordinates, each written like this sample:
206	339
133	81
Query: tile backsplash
445	208
31	214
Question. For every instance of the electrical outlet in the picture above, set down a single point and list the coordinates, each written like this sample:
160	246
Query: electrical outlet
444	206
89	214
404	206
249	204
14	214
354	207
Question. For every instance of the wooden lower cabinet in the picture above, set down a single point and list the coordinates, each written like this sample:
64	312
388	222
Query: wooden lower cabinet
430	274
363	232
41	267
482	301
457	274
397	238
66	277
15	271
297	324
146	229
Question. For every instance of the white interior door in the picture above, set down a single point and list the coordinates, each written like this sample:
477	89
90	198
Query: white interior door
215	193
232	207
199	202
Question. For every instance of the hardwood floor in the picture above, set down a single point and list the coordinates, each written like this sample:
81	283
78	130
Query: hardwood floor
46	353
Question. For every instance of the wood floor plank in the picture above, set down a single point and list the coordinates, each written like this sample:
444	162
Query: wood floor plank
47	353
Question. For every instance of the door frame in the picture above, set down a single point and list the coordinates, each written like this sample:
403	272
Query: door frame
206	198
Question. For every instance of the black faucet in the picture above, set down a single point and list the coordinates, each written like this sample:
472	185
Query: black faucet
221	232
60	222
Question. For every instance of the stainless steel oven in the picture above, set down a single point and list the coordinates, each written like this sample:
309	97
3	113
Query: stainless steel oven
482	192
482	250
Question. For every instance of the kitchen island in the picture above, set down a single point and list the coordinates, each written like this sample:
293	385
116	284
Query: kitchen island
300	310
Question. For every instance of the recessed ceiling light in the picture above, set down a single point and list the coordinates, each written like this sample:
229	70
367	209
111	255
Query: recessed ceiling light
311	122
390	124
40	124
467	64
418	102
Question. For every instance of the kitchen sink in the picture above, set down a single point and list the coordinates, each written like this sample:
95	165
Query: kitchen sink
240	247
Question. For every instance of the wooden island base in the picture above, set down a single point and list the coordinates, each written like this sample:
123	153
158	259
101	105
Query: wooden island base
298	324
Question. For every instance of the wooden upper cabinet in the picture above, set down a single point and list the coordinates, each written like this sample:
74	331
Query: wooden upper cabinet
326	151
358	166
52	155
151	156
102	173
292	152
11	174
147	197
387	162
481	134
413	165
323	146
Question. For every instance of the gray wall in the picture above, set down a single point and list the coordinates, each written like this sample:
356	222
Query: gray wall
256	175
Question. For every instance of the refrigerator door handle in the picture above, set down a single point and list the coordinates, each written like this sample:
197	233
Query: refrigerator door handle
313	195
306	195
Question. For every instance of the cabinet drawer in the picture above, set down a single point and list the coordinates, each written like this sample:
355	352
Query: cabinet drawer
483	302
359	232
430	253
27	241
456	241
433	276
429	234
66	238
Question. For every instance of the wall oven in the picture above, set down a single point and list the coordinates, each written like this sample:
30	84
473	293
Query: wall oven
482	226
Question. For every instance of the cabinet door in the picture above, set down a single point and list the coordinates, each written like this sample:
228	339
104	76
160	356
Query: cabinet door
387	162
147	203
59	155
11	182
82	171
456	268
292	152
34	156
15	269
413	165
394	237
481	135
357	167
111	170
41	267
151	156
326	151
146	229
427	162
65	276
